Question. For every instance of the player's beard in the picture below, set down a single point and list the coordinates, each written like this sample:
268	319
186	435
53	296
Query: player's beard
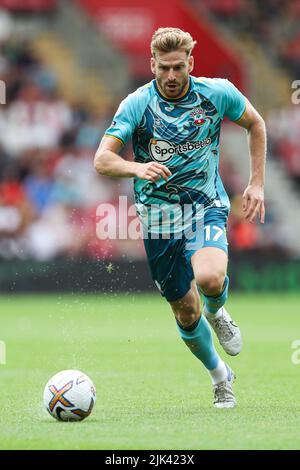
172	89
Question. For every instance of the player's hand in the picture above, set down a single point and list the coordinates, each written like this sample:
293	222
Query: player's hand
253	203
152	171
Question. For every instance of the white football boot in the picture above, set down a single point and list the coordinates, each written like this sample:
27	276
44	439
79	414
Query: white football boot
223	393
228	333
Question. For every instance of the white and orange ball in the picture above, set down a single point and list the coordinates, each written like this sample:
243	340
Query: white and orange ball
70	395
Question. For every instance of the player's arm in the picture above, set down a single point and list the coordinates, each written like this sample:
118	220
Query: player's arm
253	197
108	162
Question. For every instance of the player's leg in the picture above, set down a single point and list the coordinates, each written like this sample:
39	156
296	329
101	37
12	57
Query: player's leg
196	333
173	275
210	267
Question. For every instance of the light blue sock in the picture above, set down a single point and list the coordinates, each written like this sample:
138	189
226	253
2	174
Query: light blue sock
200	342
213	304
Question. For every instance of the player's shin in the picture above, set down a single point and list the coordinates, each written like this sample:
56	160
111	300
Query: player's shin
212	304
199	340
227	331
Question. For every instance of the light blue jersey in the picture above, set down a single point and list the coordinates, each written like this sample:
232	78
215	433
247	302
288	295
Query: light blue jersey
182	134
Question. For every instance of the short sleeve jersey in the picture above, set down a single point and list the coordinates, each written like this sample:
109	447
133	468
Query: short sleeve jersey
184	135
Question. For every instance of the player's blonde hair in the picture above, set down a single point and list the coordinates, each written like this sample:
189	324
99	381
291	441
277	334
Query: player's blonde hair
171	39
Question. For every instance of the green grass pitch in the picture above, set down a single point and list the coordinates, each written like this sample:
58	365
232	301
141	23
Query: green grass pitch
152	393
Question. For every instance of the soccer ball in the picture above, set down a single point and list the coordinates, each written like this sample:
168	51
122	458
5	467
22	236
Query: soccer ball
70	396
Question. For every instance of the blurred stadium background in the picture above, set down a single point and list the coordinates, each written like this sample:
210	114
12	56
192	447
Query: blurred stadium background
66	66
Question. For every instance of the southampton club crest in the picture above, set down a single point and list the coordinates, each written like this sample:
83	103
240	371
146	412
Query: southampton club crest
199	117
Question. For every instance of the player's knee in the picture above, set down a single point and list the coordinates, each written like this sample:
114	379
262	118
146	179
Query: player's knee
211	282
187	319
186	315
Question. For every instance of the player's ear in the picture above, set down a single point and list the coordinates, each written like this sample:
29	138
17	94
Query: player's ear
152	64
191	63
